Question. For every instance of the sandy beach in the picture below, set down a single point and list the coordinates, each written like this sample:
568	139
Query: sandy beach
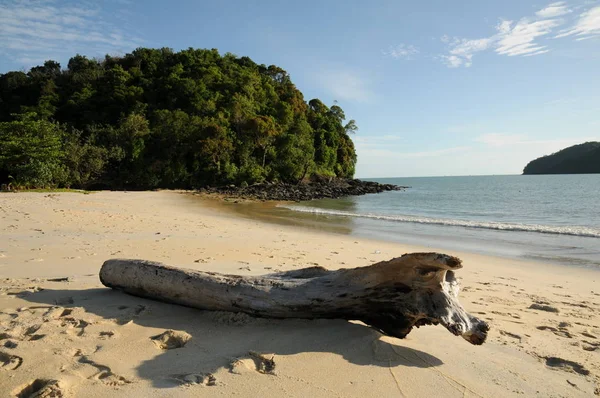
63	333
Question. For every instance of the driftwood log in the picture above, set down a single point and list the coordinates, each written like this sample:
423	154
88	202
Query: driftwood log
392	296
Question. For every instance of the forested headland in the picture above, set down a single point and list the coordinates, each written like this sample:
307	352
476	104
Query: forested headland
577	159
156	118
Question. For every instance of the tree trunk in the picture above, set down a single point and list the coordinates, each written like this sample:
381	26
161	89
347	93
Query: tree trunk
264	157
392	296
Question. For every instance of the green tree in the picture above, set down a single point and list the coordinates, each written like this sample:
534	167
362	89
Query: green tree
159	118
31	153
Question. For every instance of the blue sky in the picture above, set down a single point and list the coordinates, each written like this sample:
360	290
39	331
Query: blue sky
436	87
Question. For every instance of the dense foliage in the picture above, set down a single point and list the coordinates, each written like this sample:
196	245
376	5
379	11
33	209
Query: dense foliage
577	159
157	118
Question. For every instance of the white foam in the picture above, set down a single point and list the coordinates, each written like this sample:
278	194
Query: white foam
545	229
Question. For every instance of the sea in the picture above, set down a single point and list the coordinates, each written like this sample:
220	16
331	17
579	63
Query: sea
549	218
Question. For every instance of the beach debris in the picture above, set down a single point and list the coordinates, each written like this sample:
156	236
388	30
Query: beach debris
392	296
64	279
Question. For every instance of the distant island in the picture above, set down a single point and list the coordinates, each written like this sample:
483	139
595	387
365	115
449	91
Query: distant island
577	159
156	118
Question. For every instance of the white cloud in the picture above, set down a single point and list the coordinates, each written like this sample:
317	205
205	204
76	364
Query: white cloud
461	53
30	30
522	38
402	51
345	84
587	26
554	10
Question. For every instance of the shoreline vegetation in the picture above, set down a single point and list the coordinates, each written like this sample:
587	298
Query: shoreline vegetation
160	119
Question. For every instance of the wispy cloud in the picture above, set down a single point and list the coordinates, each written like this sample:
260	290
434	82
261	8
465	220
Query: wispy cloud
32	31
554	10
462	51
522	37
587	26
402	51
345	84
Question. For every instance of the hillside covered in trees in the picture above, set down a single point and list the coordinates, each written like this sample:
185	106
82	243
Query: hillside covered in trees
577	159
156	118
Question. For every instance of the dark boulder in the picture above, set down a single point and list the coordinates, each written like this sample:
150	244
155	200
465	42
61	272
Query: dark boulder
317	189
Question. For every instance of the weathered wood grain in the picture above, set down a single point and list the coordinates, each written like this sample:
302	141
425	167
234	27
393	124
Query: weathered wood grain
392	296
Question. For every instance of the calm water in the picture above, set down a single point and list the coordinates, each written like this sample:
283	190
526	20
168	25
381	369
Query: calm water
550	218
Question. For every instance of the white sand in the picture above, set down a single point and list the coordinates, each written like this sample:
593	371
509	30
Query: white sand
97	343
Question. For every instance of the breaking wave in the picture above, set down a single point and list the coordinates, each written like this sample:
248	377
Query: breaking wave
544	229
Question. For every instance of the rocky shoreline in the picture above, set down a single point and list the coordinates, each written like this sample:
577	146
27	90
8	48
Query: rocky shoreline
333	189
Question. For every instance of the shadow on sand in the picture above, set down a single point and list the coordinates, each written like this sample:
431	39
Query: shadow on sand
218	338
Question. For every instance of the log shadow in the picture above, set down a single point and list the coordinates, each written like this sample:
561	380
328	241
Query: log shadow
218	338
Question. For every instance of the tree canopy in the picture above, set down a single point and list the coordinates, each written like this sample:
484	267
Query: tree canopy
156	118
577	159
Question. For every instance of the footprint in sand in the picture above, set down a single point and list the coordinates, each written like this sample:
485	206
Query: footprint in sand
589	335
56	313
30	333
39	388
566	365
106	335
256	362
76	326
103	373
560	332
512	335
590	345
171	339
12	344
9	361
543	307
